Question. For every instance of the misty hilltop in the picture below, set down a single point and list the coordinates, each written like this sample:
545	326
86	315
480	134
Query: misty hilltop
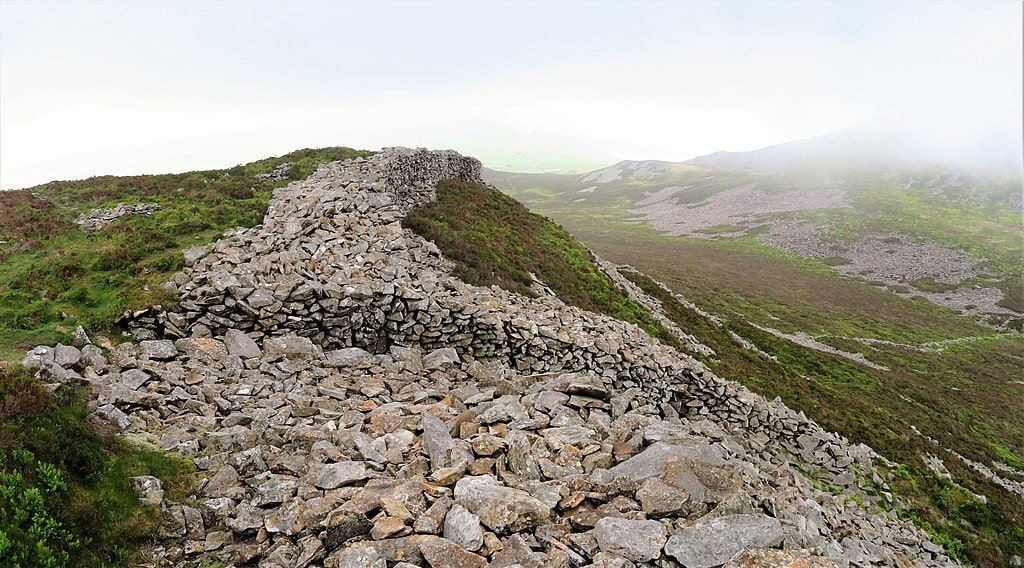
872	207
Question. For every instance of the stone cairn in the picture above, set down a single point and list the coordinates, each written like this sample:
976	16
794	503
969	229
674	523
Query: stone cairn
349	403
96	219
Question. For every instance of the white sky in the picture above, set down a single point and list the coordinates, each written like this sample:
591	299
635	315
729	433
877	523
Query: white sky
90	88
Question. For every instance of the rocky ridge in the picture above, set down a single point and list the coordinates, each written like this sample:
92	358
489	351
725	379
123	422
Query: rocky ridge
349	403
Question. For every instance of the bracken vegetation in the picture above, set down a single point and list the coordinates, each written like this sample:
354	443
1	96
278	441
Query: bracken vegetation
494	240
65	494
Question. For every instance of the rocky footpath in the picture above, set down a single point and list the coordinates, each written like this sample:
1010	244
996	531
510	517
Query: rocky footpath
349	403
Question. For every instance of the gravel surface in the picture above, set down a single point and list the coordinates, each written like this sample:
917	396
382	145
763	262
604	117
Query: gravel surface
894	259
741	206
897	258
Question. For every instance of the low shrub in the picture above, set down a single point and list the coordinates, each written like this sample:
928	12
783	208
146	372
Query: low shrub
65	494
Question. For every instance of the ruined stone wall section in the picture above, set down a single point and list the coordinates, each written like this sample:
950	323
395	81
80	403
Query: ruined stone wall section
332	262
409	176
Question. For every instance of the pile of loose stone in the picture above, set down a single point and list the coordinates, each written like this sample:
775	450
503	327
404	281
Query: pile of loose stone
347	459
348	403
98	218
331	262
278	173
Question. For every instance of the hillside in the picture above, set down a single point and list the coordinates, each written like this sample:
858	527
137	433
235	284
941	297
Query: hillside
864	297
56	274
917	228
346	400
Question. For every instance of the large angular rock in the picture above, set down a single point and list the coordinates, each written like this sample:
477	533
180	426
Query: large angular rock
651	462
440	358
348	357
410	357
503	509
79	338
660	499
158	349
202	347
442	553
292	347
638	541
193	254
342	526
66	356
713	541
38	357
355	557
334	475
149	488
238	343
437	440
587	385
463	528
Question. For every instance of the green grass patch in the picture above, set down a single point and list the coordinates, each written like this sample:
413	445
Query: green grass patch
1013	298
65	494
836	261
539	193
930	285
965	397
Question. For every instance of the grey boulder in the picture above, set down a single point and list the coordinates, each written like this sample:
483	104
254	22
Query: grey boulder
713	541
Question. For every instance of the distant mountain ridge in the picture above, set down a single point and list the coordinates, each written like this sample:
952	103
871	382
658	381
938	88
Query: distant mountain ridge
819	198
852	148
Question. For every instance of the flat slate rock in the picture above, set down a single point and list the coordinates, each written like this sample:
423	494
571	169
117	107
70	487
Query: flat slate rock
714	541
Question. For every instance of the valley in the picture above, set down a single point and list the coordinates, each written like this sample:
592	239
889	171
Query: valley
882	298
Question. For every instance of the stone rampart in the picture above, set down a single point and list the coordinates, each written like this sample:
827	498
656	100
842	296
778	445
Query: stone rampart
331	262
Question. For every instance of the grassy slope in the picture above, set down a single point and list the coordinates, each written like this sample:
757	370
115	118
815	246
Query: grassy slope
860	402
494	240
54	276
741	280
65	496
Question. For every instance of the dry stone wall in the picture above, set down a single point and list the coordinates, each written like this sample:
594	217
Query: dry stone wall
336	321
331	262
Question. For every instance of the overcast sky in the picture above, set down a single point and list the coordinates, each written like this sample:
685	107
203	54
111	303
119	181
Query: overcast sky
91	88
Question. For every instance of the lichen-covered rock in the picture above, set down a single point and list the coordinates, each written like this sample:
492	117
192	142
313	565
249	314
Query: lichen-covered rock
502	509
334	475
638	541
463	528
713	541
240	344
